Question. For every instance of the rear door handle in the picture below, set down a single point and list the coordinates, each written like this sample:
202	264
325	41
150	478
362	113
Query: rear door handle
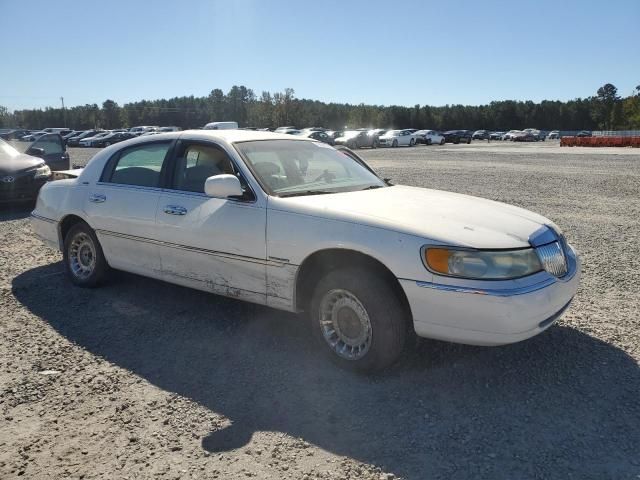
175	210
97	198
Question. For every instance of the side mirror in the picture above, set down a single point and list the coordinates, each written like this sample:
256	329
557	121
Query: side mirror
35	152
223	186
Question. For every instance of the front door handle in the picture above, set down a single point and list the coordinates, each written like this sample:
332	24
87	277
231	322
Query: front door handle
175	210
97	198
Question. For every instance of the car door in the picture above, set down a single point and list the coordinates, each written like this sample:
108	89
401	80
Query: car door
121	206
214	244
53	151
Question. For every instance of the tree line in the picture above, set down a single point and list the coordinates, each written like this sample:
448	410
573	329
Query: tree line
606	110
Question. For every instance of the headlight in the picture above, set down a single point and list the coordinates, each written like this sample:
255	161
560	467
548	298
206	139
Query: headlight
42	172
481	264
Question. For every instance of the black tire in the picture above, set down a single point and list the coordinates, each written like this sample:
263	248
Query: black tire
428	141
442	142
412	142
468	141
99	267
394	144
456	141
387	318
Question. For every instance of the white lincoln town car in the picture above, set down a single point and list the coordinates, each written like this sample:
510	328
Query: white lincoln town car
300	226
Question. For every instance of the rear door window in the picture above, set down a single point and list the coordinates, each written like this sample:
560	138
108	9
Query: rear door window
140	165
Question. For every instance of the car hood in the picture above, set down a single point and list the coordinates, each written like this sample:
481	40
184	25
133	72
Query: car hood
16	164
439	216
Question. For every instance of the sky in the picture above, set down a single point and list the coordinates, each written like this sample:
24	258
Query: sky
353	51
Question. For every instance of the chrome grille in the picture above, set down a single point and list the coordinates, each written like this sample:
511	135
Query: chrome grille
552	258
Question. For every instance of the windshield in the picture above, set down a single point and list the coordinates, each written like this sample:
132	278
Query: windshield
290	168
393	132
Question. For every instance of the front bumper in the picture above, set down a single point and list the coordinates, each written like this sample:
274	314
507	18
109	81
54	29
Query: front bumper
23	189
491	316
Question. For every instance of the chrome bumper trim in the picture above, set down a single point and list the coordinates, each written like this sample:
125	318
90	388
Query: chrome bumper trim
495	292
44	219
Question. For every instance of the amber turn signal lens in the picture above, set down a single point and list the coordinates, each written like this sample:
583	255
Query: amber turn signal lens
438	259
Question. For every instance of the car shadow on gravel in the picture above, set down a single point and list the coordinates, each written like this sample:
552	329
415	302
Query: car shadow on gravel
559	405
15	211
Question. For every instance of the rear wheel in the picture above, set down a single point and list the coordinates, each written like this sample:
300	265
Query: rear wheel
412	142
358	319
442	142
83	257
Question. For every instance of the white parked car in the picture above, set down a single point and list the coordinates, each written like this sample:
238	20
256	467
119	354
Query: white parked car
297	225
510	134
554	135
397	138
429	137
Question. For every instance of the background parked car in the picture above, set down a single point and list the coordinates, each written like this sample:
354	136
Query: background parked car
32	136
429	137
496	135
334	134
110	139
21	174
457	136
480	135
357	139
75	140
88	141
396	138
52	149
13	133
523	137
583	133
554	135
509	134
318	135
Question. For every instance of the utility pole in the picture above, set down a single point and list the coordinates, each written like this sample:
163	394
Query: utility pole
63	119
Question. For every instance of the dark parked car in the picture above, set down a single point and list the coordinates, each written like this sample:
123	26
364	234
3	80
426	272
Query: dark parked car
583	133
21	175
524	137
52	149
480	135
112	138
13	133
318	135
457	136
357	139
75	140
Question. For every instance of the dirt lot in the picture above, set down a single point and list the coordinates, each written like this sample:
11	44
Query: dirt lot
142	379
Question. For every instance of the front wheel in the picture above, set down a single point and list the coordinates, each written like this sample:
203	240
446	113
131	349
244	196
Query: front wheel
395	143
358	319
412	142
442	142
428	141
83	257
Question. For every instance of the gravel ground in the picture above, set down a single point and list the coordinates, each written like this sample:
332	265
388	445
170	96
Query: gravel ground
142	379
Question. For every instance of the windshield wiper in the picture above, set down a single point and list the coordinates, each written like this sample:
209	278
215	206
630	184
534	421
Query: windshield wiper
306	192
372	187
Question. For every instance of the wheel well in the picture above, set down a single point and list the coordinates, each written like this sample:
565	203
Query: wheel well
66	224
318	264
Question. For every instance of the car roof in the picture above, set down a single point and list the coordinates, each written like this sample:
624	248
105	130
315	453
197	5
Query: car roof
228	136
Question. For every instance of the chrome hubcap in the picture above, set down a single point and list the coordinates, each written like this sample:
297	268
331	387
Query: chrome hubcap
345	324
82	256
